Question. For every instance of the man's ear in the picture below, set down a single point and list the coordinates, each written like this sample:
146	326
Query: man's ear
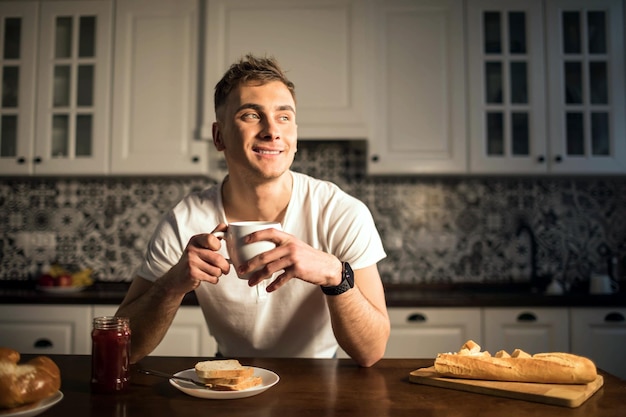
218	140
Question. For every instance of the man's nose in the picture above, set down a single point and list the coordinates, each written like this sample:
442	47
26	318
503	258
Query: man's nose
270	129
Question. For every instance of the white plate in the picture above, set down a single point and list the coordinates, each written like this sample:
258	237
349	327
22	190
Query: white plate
269	380
39	408
61	290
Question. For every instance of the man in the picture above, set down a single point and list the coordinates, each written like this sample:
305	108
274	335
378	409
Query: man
317	300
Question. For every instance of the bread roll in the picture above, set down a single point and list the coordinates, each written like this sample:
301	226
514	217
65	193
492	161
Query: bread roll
554	367
26	383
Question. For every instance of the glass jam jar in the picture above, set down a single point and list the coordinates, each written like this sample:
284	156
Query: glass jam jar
110	355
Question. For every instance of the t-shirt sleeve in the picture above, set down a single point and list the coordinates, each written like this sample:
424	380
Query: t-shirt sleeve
353	235
164	249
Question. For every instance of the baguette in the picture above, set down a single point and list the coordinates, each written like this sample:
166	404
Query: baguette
553	367
26	383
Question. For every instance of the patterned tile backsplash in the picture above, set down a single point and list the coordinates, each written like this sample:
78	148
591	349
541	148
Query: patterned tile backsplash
435	229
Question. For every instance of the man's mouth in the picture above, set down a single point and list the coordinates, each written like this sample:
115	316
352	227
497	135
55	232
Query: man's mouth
267	151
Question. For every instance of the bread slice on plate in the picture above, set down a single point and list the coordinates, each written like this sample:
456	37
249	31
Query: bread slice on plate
227	375
245	383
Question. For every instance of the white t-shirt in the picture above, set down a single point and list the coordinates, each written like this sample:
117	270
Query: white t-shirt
294	320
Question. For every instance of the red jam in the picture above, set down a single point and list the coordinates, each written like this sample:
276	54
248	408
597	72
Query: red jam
110	355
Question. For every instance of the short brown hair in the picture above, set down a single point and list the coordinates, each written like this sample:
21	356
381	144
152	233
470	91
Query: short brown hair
250	68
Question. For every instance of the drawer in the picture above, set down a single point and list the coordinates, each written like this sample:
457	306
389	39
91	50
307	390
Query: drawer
63	329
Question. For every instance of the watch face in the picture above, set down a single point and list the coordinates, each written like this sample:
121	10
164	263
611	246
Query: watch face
347	282
348	274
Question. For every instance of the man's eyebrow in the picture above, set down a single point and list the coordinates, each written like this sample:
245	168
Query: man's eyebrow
287	107
257	107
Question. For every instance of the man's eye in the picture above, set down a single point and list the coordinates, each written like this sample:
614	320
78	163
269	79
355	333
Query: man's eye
285	118
250	116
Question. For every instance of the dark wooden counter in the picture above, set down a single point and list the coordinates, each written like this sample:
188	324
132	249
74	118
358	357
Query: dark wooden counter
397	295
311	387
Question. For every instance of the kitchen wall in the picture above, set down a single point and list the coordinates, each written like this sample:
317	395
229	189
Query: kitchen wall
435	229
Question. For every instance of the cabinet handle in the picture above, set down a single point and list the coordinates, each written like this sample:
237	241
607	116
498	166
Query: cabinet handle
195	159
614	317
21	160
541	159
37	160
527	317
375	158
416	318
42	343
558	158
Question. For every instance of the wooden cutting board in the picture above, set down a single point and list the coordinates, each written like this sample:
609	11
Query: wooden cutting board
556	394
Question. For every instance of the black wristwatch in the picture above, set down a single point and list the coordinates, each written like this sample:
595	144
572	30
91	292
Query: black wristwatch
347	282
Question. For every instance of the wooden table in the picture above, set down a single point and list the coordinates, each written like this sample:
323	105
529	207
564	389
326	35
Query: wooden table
310	387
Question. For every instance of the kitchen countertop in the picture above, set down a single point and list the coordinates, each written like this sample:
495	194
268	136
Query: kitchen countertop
310	387
397	295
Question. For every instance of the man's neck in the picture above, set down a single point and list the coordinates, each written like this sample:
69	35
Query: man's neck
265	201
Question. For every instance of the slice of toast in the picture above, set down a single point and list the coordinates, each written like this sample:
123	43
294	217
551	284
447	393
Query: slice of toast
223	381
223	368
246	383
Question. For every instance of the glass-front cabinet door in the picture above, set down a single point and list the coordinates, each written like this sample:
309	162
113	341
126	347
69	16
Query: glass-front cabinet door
506	72
586	86
18	22
73	90
564	115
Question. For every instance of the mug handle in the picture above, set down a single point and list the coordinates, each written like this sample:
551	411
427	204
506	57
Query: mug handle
220	236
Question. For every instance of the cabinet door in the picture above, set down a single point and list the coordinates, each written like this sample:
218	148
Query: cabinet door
600	335
155	89
73	87
187	336
18	26
320	43
506	86
44	330
586	85
419	88
424	332
533	330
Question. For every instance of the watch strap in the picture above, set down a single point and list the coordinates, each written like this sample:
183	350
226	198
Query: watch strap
347	282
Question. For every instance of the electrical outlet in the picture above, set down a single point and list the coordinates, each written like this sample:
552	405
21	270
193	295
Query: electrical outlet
37	244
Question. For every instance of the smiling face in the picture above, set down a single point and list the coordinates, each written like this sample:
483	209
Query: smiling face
257	130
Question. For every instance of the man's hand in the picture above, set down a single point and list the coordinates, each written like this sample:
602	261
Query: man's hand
199	262
294	257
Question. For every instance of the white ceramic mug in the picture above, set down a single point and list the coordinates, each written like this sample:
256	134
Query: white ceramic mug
239	252
602	284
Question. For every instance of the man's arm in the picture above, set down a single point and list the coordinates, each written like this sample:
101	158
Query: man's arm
151	306
359	317
151	312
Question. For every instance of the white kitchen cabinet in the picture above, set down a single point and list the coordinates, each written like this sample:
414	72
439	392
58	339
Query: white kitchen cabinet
321	44
563	115
187	336
155	89
506	73
46	329
18	57
419	88
531	329
586	86
60	123
424	332
600	334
